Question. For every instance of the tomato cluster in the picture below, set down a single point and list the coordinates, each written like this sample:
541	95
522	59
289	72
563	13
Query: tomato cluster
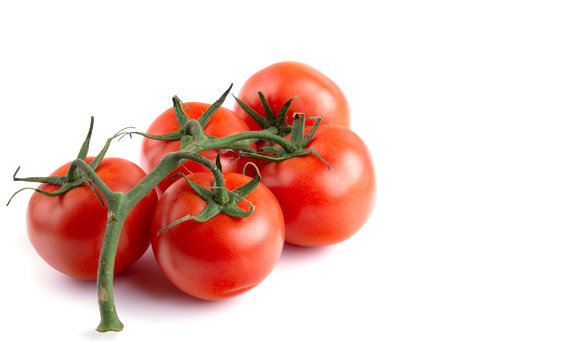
319	198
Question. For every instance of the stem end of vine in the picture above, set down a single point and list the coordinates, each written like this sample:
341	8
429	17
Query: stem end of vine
110	324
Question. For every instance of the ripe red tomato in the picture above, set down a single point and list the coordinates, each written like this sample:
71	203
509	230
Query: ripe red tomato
224	256
323	206
67	230
317	95
223	122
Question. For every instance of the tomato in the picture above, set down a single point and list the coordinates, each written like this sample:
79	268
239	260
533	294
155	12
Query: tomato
67	230
317	95
224	256
223	122
323	206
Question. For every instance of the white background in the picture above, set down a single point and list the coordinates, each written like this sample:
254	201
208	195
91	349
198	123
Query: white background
468	108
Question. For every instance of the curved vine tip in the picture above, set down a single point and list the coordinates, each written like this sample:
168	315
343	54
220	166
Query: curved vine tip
252	164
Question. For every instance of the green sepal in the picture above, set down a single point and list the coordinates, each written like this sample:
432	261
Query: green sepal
207	115
231	208
204	193
97	160
314	152
211	210
243	191
66	182
270	119
58	192
181	116
260	120
214	208
93	187
311	132
282	114
72	179
83	153
53	180
187	133
236	211
267	108
298	130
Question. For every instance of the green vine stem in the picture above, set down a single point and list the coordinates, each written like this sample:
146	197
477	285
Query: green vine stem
117	213
119	204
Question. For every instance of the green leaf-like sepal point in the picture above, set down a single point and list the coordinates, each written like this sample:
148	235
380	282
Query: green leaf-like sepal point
207	115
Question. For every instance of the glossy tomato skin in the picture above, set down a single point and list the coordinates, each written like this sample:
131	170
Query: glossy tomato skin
224	122
317	95
323	206
224	256
67	230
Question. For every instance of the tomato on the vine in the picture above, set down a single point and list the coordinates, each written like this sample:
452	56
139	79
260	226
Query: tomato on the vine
67	230
223	256
324	206
223	122
317	95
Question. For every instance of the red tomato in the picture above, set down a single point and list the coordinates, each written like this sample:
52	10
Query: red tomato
67	230
224	256
224	122
323	206
317	95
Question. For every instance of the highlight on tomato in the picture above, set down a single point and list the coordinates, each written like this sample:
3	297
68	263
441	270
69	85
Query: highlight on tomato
316	94
223	256
321	205
67	230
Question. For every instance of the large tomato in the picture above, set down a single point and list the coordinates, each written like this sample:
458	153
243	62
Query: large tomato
223	122
323	206
67	230
224	256
317	95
